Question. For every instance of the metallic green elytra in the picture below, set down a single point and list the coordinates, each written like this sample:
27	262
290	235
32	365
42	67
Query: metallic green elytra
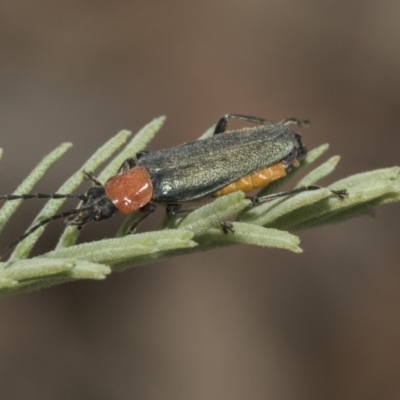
196	170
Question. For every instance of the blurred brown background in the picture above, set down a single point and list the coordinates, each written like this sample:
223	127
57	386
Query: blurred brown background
243	323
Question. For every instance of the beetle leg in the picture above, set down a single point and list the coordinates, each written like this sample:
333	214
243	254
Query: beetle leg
172	209
294	121
223	121
128	164
131	162
145	212
175	209
341	194
227	227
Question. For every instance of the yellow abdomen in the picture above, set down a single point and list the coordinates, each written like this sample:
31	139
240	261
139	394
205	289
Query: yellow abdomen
255	180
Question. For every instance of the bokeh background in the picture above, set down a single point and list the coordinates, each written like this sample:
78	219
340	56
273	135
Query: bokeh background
238	323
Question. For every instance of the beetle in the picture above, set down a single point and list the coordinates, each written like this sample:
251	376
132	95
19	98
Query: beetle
244	159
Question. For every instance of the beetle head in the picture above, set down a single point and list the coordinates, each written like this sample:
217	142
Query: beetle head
95	207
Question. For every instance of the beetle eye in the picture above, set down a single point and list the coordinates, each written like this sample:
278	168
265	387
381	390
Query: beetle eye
95	192
91	191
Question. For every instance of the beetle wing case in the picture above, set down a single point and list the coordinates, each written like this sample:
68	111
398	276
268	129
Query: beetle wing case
196	170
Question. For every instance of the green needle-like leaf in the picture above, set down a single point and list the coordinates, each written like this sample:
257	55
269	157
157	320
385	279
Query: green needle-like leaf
214	213
255	235
320	172
102	154
265	224
30	181
129	250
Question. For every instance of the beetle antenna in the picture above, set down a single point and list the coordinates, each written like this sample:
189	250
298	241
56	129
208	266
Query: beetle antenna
37	226
43	196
